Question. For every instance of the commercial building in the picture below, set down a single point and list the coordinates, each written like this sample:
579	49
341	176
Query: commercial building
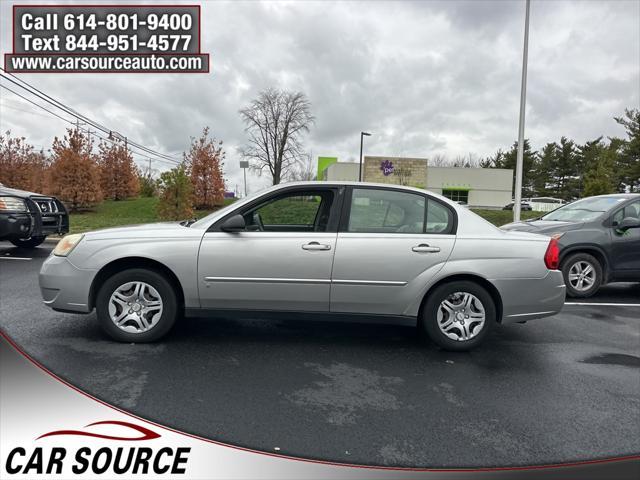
478	187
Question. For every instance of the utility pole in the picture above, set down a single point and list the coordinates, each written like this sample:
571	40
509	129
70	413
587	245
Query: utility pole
523	104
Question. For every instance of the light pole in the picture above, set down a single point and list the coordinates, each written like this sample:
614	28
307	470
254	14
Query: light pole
244	164
523	97
362	135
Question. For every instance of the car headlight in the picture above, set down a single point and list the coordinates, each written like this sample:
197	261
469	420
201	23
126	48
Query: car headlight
12	204
67	244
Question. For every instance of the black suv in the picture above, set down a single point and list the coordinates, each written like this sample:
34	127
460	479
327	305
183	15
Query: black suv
27	218
599	240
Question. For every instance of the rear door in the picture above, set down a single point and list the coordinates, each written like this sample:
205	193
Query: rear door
281	262
390	243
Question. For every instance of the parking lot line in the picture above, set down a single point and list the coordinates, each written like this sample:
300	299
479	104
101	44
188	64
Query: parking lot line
16	258
596	304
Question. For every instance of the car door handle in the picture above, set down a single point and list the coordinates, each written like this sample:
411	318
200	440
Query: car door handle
316	246
424	248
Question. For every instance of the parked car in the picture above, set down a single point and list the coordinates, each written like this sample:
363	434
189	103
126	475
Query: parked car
524	206
26	218
312	249
599	240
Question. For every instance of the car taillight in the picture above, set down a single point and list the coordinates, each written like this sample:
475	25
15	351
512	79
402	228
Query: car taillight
552	255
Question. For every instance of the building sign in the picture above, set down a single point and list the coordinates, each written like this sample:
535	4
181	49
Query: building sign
387	167
396	170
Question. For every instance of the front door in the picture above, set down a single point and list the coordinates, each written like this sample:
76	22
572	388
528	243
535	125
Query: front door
388	248
625	255
281	262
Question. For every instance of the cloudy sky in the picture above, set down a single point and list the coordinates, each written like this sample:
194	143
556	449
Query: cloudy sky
425	77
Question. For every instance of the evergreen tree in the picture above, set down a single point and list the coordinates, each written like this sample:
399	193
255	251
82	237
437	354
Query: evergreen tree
508	160
599	178
627	164
565	179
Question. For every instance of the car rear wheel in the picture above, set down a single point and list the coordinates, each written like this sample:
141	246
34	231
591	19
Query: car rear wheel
458	315
582	275
136	305
31	242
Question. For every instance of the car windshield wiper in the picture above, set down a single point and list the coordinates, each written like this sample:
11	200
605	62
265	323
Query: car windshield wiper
188	223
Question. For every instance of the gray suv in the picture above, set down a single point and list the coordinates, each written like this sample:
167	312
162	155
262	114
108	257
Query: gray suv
599	240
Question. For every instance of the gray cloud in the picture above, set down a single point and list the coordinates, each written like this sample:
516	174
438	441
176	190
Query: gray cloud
425	77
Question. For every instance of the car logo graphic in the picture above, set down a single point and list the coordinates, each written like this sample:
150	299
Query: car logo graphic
146	433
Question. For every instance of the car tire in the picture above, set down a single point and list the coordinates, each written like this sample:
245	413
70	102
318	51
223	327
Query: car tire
575	278
448	327
131	298
31	242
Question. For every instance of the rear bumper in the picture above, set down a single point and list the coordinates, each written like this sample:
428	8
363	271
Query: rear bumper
65	287
529	298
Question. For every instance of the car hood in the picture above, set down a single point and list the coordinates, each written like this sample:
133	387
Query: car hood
146	230
541	226
18	193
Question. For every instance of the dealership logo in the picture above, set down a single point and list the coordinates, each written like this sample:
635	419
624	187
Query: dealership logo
387	167
119	459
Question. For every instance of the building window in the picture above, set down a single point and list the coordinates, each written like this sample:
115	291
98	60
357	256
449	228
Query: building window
456	195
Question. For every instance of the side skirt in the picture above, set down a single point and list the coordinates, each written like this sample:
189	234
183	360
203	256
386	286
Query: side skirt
301	315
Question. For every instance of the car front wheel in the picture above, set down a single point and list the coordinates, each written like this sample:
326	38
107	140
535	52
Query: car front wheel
31	242
136	305
458	315
582	275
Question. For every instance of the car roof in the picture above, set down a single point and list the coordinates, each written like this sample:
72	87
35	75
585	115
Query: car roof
338	183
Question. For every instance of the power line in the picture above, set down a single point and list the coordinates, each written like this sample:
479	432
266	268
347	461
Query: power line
60	105
78	127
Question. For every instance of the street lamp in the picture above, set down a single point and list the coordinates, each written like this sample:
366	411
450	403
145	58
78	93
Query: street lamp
523	96
362	135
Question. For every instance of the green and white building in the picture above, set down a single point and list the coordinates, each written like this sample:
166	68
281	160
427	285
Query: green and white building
478	187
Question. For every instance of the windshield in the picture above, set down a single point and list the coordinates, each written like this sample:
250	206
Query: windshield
584	210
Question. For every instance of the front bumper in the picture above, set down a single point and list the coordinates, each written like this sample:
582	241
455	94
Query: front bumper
16	225
529	298
65	287
45	216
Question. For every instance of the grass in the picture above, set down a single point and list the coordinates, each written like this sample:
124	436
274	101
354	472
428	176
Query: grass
143	210
113	213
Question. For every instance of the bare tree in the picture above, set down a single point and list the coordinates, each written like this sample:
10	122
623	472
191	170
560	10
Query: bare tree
304	170
439	160
275	122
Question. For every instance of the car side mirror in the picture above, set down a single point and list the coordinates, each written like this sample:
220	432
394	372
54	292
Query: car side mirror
627	223
234	224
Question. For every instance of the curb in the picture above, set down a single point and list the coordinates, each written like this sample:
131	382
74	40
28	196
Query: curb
52	240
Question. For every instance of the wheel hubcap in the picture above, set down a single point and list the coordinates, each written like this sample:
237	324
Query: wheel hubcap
582	276
135	307
461	316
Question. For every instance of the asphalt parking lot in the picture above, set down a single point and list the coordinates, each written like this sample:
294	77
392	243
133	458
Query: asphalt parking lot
559	389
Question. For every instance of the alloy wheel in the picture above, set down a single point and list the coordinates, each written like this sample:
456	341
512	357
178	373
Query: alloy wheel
582	276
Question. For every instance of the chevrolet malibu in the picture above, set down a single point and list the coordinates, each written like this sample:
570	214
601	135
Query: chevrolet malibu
309	250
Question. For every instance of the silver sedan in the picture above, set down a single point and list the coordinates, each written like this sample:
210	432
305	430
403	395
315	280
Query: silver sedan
312	250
